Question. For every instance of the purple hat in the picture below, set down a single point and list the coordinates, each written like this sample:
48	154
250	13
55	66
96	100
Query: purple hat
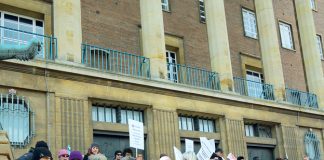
76	155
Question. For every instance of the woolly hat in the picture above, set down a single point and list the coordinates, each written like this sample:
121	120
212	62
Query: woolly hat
62	152
76	155
40	152
41	144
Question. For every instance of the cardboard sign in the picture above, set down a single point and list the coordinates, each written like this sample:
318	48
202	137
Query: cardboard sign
136	134
189	145
205	151
177	154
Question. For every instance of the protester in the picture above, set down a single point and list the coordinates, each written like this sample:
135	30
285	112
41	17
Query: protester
76	155
219	152
231	156
164	157
240	158
214	157
140	157
92	151
29	155
305	157
63	154
189	156
98	156
42	153
118	155
128	154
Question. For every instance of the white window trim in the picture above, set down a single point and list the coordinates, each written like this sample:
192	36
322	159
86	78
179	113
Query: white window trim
165	5
249	23
313	4
173	74
320	45
284	44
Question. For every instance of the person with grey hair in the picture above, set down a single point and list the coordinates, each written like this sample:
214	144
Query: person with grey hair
189	156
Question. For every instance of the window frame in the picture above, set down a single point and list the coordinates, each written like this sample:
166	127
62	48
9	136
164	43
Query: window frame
174	73
292	42
202	13
313	5
165	5
319	42
255	26
208	127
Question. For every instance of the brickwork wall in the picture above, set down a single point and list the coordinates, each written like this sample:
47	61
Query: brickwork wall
183	21
238	42
319	21
112	24
292	61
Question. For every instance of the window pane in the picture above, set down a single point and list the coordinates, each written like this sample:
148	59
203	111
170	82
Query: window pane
101	114
189	122
249	22
319	45
123	117
286	35
184	123
94	113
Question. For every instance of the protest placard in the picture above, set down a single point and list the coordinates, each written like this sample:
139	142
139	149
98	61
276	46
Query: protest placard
189	145
136	134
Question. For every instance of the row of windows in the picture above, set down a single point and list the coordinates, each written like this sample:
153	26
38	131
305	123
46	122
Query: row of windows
115	115
285	29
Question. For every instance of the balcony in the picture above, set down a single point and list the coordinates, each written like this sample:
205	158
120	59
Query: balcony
301	98
192	76
117	62
11	36
253	89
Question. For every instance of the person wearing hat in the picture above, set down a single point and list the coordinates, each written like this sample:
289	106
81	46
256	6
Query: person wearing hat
92	151
76	155
29	155
63	154
42	153
219	152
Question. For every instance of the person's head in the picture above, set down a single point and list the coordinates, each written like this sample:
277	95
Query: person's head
94	148
76	155
214	157
219	152
164	157
41	144
189	156
128	152
63	154
305	157
139	157
240	158
42	153
118	155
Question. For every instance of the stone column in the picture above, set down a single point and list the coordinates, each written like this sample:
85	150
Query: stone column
153	37
311	54
67	29
270	50
219	51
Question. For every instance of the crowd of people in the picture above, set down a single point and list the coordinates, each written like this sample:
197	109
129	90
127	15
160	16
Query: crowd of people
42	152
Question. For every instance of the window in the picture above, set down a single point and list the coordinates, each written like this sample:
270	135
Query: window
202	13
165	5
319	45
258	130
312	146
249	21
313	4
286	35
19	30
254	84
115	115
171	60
17	119
196	124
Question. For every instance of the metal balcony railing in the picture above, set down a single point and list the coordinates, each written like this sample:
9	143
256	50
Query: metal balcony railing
193	76
253	89
114	61
301	98
18	37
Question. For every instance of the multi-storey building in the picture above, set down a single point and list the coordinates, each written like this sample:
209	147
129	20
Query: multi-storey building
247	73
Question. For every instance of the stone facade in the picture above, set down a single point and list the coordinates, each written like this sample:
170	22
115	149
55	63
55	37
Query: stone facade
62	92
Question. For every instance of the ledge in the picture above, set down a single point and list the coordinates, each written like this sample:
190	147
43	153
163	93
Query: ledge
80	69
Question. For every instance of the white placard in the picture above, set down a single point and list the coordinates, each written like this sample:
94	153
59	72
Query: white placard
189	145
212	143
177	154
205	151
136	134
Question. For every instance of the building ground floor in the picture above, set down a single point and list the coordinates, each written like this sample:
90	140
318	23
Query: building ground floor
71	105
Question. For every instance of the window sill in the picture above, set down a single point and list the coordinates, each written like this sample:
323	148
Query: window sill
167	11
250	37
288	49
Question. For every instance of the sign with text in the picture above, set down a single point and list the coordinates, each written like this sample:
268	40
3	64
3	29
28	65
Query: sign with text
136	134
189	145
205	151
177	154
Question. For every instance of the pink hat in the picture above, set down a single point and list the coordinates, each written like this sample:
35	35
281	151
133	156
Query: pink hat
62	152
